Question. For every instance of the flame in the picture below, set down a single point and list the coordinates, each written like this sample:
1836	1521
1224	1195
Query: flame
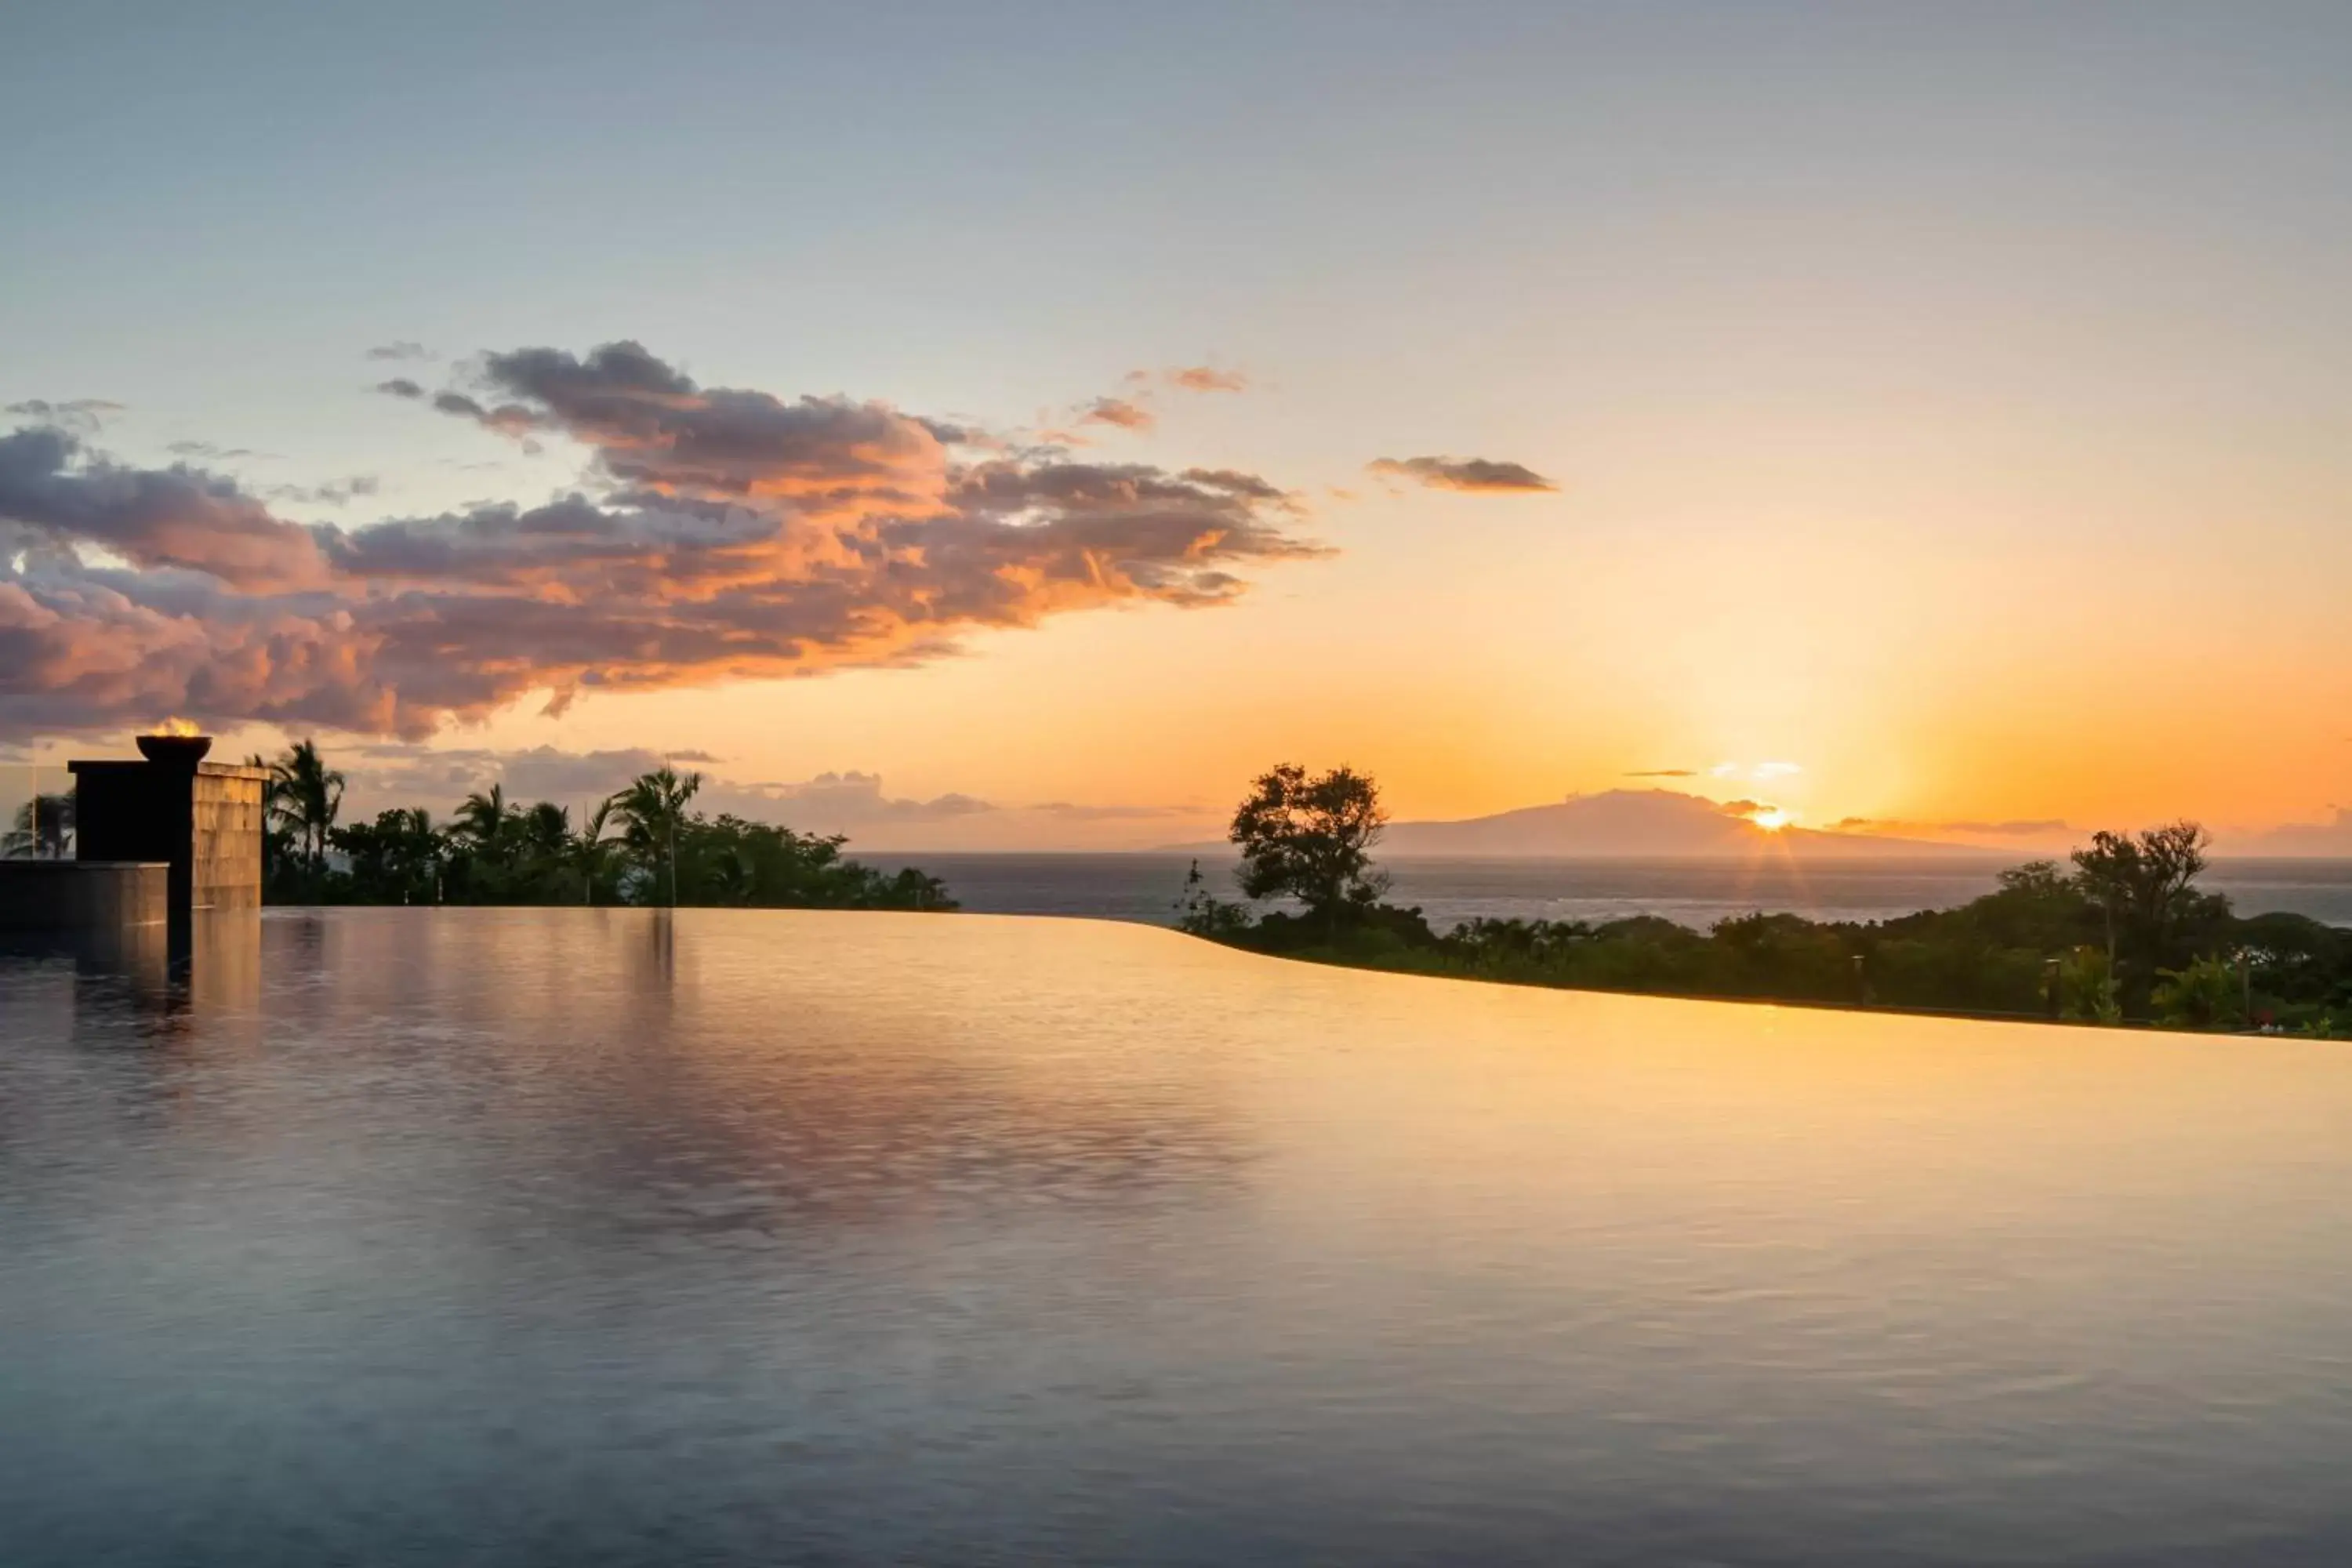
176	727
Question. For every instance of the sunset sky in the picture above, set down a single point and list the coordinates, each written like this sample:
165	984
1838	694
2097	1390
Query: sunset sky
1017	425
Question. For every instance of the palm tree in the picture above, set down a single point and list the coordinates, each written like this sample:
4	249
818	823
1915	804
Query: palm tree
587	849
277	838
484	818
483	831
652	809
540	836
420	849
546	828
303	797
43	830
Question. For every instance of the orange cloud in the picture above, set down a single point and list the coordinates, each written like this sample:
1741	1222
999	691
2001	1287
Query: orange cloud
721	533
1477	475
1125	413
1206	378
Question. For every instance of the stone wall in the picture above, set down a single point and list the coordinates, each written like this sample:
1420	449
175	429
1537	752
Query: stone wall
228	827
83	895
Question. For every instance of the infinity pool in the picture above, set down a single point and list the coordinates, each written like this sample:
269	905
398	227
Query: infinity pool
591	1236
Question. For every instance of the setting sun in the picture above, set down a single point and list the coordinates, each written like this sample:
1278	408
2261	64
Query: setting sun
1772	819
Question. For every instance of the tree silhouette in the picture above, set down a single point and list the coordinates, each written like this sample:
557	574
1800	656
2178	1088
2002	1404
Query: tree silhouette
483	819
418	851
589	849
396	858
303	798
498	851
545	828
1310	839
2144	887
651	810
43	828
277	837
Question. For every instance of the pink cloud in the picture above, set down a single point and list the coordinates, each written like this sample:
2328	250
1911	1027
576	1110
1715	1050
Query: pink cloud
1474	474
1206	378
719	534
1125	413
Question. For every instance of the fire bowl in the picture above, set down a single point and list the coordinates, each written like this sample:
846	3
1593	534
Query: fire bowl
185	751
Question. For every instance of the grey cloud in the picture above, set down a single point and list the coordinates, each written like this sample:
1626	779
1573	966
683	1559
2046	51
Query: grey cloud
616	375
81	413
43	409
388	776
839	801
399	349
340	493
1475	475
174	517
437	778
509	419
543	772
1234	482
400	386
208	450
639	549
952	433
653	428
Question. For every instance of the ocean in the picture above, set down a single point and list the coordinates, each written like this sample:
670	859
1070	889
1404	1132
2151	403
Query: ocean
1696	892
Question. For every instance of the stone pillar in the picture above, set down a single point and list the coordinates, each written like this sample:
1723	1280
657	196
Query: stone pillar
227	825
202	819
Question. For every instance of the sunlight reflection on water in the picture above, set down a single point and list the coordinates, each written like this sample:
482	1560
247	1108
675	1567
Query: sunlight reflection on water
597	1236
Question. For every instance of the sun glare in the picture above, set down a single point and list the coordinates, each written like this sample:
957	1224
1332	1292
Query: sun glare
1772	819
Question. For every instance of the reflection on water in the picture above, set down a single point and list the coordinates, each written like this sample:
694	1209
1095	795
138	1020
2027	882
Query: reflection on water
593	1235
159	971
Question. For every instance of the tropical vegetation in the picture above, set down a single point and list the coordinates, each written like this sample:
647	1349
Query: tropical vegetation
643	844
40	829
2121	934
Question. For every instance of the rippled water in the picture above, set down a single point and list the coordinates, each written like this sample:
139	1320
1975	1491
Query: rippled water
583	1236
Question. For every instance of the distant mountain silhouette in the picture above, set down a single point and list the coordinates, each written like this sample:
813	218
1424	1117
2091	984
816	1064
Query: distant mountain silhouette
2302	840
1625	822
